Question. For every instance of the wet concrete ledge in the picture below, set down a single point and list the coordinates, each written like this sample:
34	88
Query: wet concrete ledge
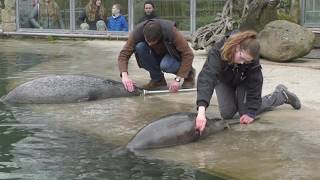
73	35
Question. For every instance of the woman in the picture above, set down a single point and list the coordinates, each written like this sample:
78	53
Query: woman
234	71
46	15
93	12
117	22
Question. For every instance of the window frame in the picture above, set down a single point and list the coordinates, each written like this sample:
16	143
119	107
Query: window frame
303	20
72	23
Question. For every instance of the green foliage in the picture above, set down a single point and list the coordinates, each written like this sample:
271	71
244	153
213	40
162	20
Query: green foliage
285	6
285	16
284	11
51	39
204	20
207	10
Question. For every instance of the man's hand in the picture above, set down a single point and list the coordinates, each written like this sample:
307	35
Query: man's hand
245	119
174	86
127	82
201	119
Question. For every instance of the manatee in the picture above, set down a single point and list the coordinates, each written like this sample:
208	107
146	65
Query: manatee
67	89
173	129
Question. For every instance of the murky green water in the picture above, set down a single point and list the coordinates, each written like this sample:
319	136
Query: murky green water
75	141
51	151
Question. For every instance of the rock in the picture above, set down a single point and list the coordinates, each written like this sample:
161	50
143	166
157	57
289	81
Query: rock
283	41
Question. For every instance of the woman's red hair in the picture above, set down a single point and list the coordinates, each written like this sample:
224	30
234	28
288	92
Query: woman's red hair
247	41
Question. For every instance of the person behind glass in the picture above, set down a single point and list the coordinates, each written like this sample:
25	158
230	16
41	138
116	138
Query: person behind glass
159	47
233	70
149	13
35	3
117	22
24	15
93	12
46	15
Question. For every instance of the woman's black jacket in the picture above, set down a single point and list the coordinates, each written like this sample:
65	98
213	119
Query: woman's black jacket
216	70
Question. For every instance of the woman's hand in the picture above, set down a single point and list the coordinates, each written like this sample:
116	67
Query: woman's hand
127	82
201	119
245	119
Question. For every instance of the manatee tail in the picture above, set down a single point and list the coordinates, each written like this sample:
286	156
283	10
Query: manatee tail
121	151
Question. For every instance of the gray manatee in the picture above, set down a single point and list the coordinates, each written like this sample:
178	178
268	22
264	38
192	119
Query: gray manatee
67	89
173	129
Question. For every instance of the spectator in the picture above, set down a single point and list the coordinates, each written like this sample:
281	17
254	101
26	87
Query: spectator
35	3
93	12
149	11
117	22
26	7
46	15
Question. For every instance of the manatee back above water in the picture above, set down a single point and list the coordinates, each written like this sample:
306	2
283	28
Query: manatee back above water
67	89
171	130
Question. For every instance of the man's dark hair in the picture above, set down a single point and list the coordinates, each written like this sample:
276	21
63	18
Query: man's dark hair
152	31
148	2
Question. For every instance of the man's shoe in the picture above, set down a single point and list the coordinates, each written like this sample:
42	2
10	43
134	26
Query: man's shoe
189	82
290	98
155	85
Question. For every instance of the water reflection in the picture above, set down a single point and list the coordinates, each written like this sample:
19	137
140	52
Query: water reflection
56	152
23	61
76	141
11	63
8	137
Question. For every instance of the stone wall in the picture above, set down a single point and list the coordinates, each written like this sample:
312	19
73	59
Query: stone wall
1	7
8	16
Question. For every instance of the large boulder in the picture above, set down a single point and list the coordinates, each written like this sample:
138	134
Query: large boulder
283	41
